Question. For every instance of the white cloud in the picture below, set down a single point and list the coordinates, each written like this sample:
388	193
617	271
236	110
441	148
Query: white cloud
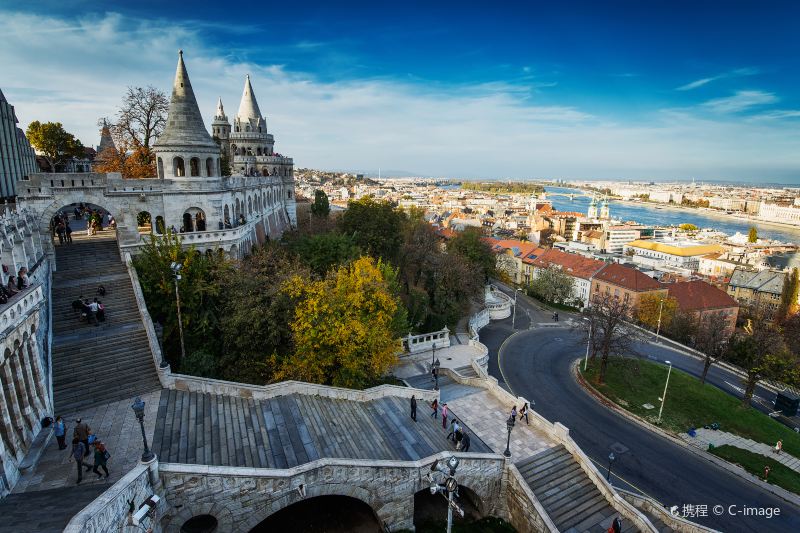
741	101
697	83
746	71
78	71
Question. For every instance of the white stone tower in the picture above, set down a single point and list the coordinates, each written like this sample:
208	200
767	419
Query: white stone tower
604	212
185	149
592	213
221	128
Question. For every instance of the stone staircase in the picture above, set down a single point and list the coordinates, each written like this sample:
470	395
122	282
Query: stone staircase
568	495
467	371
97	364
45	511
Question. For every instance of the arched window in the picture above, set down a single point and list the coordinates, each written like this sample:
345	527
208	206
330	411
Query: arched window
250	205
160	227
265	171
259	129
233	149
288	194
160	169
200	221
227	212
194	166
258	151
178	169
247	128
187	223
210	166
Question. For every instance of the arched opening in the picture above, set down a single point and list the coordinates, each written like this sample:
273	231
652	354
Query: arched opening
227	217
187	226
247	128
194	167
332	514
178	168
258	151
204	523
233	150
144	222
210	166
200	221
249	205
238	209
160	169
430	510
160	226
194	219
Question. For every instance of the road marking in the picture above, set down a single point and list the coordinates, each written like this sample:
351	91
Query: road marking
740	390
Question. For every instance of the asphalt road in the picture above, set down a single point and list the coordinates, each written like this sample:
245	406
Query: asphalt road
536	362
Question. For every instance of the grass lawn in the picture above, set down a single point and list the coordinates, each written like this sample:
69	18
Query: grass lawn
754	463
631	383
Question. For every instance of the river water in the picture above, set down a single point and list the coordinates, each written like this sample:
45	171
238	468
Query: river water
648	214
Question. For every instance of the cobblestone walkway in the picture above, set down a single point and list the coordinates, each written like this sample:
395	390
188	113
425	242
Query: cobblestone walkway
720	438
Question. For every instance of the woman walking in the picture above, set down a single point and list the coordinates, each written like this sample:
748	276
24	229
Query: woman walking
60	429
523	413
101	456
444	415
435	407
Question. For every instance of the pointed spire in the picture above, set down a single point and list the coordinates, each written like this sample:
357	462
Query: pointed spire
105	138
220	109
185	125
2	96
248	108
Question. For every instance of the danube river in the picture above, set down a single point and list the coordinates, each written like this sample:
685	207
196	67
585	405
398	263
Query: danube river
666	216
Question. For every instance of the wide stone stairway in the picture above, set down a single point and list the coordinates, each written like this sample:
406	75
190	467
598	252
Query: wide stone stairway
97	364
568	495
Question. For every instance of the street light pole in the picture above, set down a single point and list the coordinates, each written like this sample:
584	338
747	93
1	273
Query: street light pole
660	306
176	269
138	409
610	462
588	343
509	426
664	396
514	315
433	355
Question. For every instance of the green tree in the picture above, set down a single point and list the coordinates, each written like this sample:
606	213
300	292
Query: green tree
760	351
752	234
375	226
324	251
789	295
688	227
470	245
652	305
553	285
54	143
321	207
342	327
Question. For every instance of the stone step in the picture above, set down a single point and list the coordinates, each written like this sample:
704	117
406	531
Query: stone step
45	511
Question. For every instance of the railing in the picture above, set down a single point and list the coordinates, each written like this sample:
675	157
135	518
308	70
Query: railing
426	341
676	523
20	304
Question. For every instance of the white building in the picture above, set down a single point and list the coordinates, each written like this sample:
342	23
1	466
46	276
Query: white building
616	237
787	214
674	253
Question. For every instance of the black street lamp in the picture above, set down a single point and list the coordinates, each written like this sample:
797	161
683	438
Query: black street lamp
436	366
509	426
138	408
610	462
433	355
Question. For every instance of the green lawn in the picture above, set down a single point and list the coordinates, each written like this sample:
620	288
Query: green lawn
633	382
754	463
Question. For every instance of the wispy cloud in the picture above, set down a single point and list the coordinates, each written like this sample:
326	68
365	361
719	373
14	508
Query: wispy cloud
741	101
499	129
739	72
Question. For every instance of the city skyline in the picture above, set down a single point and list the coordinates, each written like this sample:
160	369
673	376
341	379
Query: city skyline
542	92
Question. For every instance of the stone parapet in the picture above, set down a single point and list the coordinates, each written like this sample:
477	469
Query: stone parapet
426	341
524	511
652	507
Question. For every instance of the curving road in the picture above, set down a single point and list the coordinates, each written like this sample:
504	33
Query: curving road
536	364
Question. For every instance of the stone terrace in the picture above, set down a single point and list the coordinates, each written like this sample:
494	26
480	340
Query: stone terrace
290	430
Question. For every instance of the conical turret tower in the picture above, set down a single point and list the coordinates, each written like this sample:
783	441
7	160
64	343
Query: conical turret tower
106	141
185	149
221	128
249	118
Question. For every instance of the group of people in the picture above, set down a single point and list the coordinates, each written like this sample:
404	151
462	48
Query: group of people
62	228
14	285
93	311
94	222
83	439
457	433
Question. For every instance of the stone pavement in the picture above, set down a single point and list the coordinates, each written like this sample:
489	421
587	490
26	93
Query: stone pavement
116	425
720	438
487	416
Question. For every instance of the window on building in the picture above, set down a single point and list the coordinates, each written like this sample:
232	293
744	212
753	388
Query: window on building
178	168
194	166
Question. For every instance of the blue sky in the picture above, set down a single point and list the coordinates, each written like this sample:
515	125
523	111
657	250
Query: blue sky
627	89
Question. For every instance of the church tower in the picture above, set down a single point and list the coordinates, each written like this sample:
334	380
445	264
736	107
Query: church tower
221	128
185	149
604	211
592	213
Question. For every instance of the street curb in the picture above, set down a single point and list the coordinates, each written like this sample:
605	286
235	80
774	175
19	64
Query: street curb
730	467
499	358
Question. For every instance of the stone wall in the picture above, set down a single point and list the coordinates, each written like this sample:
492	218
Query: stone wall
426	341
240	498
523	509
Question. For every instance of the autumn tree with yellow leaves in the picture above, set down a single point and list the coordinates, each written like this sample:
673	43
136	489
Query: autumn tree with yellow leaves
345	327
648	310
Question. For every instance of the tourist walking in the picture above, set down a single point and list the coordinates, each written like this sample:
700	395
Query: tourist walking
101	457
454	427
60	430
68	231
435	407
779	446
61	231
414	408
79	451
464	441
81	432
514	412
444	415
523	413
616	525
766	473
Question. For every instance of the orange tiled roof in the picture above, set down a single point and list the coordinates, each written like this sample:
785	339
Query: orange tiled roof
576	265
627	278
698	296
527	251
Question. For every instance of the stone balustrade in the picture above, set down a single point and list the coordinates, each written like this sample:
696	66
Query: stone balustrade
426	341
21	303
652	507
498	303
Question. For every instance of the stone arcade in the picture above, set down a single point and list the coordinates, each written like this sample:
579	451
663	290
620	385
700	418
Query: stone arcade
190	195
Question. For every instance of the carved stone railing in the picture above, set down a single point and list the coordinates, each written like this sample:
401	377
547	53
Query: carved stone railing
650	506
19	305
498	303
425	341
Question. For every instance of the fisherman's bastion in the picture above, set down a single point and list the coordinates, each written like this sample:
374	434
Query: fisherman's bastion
203	455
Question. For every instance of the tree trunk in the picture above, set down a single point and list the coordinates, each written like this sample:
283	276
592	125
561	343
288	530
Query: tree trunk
601	377
706	365
750	387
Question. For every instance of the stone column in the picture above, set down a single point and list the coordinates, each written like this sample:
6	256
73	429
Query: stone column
9	437
38	374
15	414
35	386
22	388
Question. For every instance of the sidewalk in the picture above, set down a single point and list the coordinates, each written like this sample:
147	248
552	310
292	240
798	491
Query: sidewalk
720	438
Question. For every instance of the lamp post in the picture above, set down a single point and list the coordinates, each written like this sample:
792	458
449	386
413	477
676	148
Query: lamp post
660	307
176	270
138	408
436	366
588	343
509	426
514	314
664	396
433	355
611	459
450	487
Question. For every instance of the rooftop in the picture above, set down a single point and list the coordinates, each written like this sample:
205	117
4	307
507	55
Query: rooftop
627	278
761	281
576	265
698	295
681	248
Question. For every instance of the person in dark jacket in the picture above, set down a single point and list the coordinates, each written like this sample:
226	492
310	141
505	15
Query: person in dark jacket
78	449
100	459
464	441
414	408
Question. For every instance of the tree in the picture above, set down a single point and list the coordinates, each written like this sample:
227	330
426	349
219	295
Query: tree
325	251
256	330
135	163
789	295
711	338
653	304
321	207
375	226
682	328
606	328
54	143
552	284
141	118
342	327
752	234
471	246
760	351
688	227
